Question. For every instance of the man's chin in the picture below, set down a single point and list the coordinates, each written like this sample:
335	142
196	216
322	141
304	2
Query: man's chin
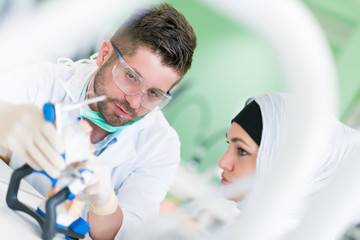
119	123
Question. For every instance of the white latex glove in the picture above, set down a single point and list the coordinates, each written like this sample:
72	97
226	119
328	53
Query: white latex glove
25	132
100	194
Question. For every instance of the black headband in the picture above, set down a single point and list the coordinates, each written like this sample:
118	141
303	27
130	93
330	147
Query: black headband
250	120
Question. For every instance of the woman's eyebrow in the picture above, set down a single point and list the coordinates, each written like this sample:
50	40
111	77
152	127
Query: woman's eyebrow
237	139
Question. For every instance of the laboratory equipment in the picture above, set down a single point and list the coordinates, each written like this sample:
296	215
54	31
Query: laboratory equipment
47	214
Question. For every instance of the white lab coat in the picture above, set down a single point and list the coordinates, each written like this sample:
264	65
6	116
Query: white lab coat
143	157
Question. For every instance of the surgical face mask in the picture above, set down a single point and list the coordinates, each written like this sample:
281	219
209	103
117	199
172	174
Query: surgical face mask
96	118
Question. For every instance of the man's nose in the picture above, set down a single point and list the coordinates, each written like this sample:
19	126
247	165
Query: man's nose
135	99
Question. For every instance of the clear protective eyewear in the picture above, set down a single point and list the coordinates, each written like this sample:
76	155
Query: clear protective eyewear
132	83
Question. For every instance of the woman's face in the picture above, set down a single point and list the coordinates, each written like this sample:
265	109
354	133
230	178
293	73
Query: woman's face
239	159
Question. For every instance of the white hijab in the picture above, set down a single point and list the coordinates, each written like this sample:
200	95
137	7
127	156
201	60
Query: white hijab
276	110
276	116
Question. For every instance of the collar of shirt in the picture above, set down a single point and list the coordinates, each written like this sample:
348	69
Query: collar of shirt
106	142
109	139
115	155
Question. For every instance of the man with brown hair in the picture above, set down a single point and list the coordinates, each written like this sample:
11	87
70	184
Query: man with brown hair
136	151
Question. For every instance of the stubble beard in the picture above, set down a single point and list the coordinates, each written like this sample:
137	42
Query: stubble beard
111	117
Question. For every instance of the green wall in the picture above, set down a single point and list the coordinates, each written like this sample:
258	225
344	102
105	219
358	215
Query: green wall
340	21
230	64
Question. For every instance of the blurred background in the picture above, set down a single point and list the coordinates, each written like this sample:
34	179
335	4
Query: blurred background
231	63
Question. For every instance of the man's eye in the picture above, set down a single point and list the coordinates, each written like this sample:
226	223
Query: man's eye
130	76
152	93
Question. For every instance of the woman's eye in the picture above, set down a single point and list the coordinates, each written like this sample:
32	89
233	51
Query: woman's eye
242	152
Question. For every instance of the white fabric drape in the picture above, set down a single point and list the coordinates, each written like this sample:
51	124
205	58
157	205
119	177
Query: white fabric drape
277	111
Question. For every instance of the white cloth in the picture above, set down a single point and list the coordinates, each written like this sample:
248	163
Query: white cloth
276	116
143	157
276	111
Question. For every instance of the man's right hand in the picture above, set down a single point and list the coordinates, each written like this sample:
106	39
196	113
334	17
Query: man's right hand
25	132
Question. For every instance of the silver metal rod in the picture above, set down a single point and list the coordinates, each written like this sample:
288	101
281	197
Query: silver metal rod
72	106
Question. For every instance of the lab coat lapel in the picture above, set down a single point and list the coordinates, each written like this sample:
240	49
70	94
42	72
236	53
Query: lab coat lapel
122	151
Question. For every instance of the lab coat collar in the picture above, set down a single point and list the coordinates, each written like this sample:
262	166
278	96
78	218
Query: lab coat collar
123	140
80	71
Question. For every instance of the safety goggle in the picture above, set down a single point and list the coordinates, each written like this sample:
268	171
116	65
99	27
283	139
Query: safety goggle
131	83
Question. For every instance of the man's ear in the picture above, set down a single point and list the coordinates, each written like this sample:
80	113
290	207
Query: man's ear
104	52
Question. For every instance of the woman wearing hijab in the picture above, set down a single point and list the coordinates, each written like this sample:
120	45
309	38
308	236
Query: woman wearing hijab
256	137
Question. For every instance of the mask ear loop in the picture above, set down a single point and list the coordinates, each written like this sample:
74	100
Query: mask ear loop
69	64
94	56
